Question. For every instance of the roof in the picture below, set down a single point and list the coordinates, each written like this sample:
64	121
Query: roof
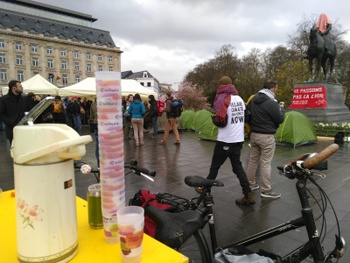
18	21
137	75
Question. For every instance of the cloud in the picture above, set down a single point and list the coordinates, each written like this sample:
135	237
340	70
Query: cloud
170	37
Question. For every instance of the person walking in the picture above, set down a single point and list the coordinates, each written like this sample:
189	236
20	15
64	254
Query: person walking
127	118
137	110
13	106
266	116
231	137
153	111
94	122
170	122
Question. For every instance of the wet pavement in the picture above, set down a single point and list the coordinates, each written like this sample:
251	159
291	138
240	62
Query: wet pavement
173	163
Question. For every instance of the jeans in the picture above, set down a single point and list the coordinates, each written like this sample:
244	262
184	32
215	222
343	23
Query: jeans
155	125
262	150
222	151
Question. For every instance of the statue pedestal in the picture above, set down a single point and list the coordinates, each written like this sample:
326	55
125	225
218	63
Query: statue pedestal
320	102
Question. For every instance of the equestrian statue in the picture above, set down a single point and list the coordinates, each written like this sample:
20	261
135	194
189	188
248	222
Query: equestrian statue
322	48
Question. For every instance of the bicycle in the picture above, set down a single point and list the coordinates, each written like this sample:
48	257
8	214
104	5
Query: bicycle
177	229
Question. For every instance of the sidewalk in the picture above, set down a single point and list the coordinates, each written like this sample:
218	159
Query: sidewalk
233	222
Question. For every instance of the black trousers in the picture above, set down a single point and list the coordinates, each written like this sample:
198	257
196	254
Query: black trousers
222	151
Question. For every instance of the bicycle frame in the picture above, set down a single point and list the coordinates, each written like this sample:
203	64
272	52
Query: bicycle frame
312	247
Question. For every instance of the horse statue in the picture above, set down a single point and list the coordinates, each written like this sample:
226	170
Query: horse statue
317	50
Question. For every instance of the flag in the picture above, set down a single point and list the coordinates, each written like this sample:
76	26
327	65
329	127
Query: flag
58	78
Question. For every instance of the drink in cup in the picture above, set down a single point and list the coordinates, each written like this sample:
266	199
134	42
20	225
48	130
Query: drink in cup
94	206
130	227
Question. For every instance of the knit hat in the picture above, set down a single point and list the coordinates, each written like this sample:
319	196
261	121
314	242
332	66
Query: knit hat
225	80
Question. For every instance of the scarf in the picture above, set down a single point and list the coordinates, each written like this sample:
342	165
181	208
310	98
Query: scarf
269	93
223	98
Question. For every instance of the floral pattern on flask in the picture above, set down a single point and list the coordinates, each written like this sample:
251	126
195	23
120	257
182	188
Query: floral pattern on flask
29	214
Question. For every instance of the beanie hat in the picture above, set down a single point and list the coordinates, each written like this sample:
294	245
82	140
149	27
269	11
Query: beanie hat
225	80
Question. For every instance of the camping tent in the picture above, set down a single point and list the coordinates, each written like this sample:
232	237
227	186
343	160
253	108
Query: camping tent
87	87
200	122
37	85
296	130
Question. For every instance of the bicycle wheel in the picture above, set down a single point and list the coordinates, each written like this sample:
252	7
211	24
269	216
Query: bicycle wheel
196	248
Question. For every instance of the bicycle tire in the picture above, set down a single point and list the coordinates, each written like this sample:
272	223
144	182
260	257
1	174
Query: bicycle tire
196	248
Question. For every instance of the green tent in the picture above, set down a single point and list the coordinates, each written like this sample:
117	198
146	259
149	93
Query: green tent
200	121
296	130
187	118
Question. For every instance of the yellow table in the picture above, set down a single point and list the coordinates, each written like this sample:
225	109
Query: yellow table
92	245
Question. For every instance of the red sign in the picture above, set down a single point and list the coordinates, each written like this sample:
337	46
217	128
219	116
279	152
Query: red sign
313	97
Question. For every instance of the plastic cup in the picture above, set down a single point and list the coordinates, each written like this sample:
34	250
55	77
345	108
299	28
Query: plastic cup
94	206
131	221
110	227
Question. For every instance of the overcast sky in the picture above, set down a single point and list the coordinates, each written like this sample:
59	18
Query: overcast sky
170	37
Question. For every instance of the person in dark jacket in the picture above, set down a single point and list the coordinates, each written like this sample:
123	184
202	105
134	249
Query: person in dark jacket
13	107
266	116
153	111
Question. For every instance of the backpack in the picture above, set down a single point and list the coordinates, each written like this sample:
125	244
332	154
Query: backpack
73	107
176	108
57	107
160	107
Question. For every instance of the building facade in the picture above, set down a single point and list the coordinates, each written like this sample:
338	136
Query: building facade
59	44
144	78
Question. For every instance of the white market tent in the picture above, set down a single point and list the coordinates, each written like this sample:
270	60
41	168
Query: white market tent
37	85
87	87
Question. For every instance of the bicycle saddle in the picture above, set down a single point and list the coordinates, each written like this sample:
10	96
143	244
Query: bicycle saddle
198	181
173	229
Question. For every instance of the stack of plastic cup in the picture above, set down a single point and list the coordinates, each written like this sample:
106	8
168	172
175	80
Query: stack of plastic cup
110	132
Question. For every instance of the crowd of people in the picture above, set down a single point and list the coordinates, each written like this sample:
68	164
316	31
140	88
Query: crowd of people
263	113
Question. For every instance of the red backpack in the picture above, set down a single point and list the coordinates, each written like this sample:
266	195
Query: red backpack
160	107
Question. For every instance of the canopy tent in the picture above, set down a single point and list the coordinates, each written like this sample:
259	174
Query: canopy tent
187	118
38	85
296	130
87	87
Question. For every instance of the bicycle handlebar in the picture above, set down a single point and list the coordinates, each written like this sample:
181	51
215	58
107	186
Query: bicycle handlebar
320	157
140	170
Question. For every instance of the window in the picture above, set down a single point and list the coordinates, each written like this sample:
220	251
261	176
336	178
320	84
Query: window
76	54
64	64
20	75
63	52
51	77
19	60
2	58
149	84
49	50
143	84
88	67
77	78
110	69
49	63
35	62
3	74
110	59
34	48
88	55
18	45
99	57
64	78
2	43
100	68
76	66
